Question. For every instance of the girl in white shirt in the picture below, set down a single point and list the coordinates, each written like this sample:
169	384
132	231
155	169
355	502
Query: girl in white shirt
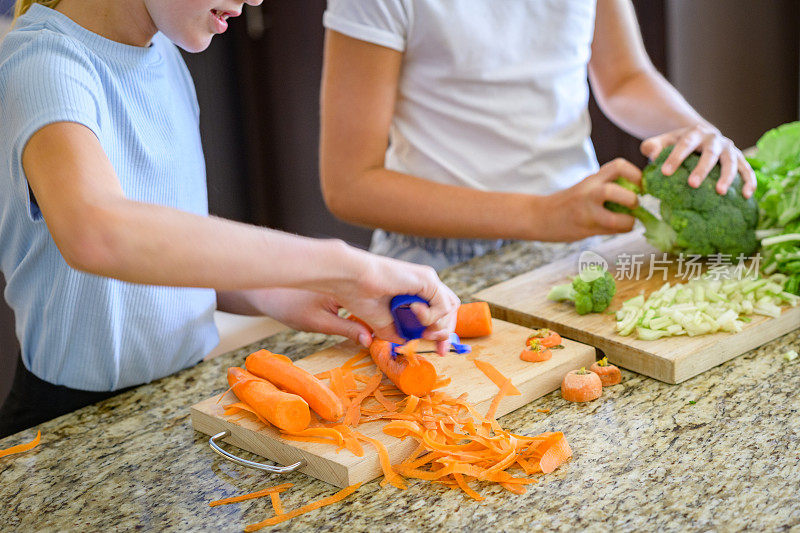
454	125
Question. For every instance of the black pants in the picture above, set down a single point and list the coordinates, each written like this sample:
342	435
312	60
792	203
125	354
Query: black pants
33	401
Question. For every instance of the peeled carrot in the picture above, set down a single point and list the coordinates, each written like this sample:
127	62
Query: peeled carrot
342	494
417	380
609	374
546	337
474	320
581	386
281	371
286	411
19	448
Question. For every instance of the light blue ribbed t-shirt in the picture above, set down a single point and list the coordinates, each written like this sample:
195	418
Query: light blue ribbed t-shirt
76	329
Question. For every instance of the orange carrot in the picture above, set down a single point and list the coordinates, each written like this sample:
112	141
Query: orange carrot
609	374
473	320
417	380
286	411
581	386
252	495
342	494
281	371
546	337
19	448
535	352
495	375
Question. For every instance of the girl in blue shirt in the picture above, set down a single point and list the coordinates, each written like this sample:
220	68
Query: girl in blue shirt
113	266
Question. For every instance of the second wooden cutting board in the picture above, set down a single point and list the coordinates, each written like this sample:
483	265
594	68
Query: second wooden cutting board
501	349
523	300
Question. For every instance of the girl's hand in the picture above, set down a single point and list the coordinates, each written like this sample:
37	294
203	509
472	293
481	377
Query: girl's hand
578	212
713	147
378	279
308	311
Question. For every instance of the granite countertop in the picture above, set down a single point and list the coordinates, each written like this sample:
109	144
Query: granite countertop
720	451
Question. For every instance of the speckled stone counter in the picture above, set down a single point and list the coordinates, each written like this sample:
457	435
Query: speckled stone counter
718	452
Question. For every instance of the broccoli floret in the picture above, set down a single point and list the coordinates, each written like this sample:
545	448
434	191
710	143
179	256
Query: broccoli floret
694	221
591	291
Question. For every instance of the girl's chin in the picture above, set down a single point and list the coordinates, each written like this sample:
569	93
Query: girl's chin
196	44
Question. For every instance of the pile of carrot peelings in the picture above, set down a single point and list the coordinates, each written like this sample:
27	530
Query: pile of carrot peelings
456	445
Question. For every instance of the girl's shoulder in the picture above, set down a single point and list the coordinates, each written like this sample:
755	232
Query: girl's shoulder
41	49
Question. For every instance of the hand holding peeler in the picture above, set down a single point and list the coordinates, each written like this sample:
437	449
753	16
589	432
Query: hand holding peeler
409	327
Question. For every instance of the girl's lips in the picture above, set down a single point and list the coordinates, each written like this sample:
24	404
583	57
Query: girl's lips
219	20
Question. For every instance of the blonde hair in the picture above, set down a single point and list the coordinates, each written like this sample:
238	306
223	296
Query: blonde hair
23	5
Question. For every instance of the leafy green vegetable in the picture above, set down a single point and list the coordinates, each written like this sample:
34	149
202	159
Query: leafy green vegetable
777	167
694	221
591	291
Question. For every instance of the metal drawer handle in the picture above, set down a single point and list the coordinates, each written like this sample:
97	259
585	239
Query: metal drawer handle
244	462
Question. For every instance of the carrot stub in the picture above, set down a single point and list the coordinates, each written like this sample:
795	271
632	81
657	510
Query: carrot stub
544	336
535	352
282	409
417	380
581	386
282	372
609	374
473	320
19	448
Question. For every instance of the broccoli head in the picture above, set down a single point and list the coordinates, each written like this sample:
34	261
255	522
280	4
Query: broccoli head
694	221
591	291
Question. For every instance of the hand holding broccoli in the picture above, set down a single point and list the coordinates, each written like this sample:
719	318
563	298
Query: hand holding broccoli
713	146
578	212
694	221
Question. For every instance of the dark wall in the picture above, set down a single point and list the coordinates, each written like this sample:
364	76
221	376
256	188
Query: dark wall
737	62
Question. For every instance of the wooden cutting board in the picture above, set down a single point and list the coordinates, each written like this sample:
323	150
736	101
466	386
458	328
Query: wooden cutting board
523	300
501	348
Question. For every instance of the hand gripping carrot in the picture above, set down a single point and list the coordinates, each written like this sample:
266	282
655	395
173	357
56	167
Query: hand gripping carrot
282	372
418	379
474	320
286	411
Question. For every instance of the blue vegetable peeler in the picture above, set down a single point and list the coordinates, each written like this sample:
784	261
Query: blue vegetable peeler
409	327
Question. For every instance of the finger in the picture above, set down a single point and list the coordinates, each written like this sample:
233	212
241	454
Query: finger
748	176
650	148
708	159
687	144
727	163
611	222
332	324
620	195
388	332
443	347
423	313
620	168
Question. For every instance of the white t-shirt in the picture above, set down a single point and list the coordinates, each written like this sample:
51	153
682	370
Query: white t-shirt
492	93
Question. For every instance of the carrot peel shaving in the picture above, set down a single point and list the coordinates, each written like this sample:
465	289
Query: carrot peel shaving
19	448
342	494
